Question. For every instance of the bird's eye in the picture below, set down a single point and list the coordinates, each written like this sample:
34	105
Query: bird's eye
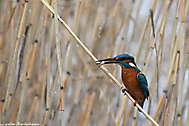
119	58
116	58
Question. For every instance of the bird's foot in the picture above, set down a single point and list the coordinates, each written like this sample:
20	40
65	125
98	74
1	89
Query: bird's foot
124	90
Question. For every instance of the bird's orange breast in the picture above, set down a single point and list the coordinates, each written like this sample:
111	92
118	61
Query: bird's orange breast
129	78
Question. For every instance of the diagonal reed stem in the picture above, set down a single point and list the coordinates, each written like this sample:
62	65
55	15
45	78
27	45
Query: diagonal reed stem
79	42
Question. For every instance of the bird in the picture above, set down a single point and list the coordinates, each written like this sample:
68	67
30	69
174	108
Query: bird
134	80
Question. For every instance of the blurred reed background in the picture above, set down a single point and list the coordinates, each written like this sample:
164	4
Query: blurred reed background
46	78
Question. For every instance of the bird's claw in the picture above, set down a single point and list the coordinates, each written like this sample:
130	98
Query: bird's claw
124	90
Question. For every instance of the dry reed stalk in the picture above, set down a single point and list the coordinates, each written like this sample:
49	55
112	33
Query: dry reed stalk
129	20
148	55
77	91
45	118
125	27
159	107
181	8
22	101
26	78
181	40
134	119
160	34
2	44
3	68
186	51
157	54
171	66
149	105
1	107
160	31
146	26
180	77
95	59
62	93
76	24
43	95
182	32
169	90
185	109
173	37
32	58
172	92
46	95
14	111
141	39
33	109
60	64
12	63
186	10
154	5
89	109
187	119
138	9
134	17
126	116
125	119
121	43
121	111
72	49
151	89
61	102
179	120
159	48
98	29
115	23
77	16
83	110
8	21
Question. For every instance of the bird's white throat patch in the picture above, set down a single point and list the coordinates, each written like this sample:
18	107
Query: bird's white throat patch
131	64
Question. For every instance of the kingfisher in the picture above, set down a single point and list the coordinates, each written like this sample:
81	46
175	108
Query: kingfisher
133	79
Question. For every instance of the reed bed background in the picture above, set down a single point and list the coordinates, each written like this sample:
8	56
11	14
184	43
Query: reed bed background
46	78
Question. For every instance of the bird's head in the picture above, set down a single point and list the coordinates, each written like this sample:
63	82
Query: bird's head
125	60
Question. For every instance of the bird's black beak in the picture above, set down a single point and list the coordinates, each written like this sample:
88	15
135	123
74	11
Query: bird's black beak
107	61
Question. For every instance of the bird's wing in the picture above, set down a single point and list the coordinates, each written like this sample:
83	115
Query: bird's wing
143	84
